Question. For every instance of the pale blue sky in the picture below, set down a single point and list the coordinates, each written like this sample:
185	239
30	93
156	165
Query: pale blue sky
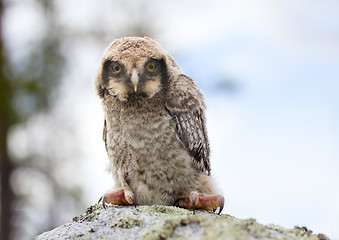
275	140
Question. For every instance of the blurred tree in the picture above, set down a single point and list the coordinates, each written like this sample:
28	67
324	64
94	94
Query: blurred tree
28	90
7	117
24	91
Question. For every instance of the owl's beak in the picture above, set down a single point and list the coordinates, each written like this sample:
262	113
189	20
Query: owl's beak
135	78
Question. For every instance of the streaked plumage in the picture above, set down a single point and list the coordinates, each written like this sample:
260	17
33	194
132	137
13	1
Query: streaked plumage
155	127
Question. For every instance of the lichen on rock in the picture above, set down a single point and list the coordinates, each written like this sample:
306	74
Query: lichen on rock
164	210
167	222
92	212
128	220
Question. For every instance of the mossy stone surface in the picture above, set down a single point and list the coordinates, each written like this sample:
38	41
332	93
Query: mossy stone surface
129	220
167	222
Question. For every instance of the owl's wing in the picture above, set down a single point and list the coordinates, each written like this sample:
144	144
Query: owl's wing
186	106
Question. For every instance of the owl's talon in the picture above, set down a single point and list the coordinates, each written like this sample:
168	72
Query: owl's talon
193	198
104	202
221	204
129	197
199	201
176	204
121	197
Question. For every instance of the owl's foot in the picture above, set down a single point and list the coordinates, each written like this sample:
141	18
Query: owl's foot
199	201
121	197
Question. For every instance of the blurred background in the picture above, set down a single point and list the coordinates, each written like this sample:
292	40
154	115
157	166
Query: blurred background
269	71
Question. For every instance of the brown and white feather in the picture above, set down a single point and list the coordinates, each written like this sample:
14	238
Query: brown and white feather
157	142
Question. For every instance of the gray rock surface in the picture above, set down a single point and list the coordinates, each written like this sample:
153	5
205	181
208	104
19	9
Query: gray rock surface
165	222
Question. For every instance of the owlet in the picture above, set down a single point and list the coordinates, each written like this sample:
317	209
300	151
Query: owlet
154	129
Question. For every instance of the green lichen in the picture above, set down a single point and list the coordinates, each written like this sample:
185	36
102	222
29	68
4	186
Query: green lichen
166	230
297	233
91	214
173	222
214	226
129	221
218	227
164	210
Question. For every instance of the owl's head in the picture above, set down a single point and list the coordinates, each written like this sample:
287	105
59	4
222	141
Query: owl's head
135	66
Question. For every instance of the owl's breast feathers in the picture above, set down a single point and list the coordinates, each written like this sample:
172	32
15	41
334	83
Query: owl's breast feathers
181	103
148	122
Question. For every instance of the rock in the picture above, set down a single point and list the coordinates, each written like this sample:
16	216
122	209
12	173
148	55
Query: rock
166	222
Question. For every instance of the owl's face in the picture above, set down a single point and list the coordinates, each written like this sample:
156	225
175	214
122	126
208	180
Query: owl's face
136	67
134	76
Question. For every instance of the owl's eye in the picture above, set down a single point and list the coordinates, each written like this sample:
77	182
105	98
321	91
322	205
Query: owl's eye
117	68
151	67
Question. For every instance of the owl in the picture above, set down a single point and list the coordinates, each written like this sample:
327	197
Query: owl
154	129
